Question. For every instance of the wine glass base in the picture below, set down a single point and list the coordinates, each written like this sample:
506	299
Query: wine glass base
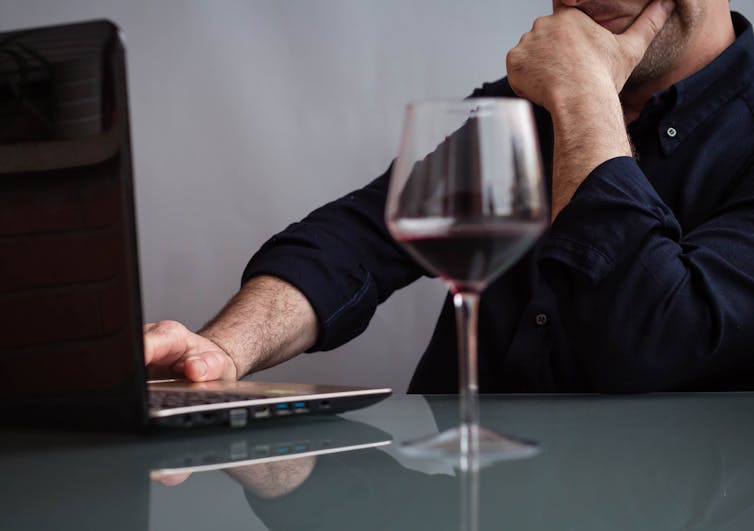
493	447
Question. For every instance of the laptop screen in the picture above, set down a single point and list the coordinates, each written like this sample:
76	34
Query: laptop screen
70	327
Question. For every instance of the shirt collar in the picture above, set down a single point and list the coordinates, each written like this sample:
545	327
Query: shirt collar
703	93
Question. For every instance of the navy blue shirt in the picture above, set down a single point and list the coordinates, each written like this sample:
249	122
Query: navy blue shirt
644	282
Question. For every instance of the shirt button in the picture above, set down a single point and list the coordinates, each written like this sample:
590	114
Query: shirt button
541	319
671	132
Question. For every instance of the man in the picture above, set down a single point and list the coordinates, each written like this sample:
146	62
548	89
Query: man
644	282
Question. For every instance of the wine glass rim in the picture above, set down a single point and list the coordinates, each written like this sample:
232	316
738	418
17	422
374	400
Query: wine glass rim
468	103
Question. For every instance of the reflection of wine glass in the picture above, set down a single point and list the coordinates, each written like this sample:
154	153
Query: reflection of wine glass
466	200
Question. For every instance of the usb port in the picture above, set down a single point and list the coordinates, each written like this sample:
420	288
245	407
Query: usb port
237	417
261	412
300	407
324	404
283	409
239	450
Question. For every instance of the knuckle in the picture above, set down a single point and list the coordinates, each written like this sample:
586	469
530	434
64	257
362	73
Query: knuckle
524	40
513	60
510	59
539	23
169	327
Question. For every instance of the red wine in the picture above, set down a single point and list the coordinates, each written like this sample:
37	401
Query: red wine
467	256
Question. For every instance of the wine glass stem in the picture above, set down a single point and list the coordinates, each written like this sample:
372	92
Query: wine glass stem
467	312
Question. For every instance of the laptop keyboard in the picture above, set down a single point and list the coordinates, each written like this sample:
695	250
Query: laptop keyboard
171	399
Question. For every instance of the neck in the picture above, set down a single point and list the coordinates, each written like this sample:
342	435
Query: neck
706	44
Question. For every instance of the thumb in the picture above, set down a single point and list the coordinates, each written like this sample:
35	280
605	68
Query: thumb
643	31
171	344
207	365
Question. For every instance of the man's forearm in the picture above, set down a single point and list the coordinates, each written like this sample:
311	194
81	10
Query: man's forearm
266	323
586	134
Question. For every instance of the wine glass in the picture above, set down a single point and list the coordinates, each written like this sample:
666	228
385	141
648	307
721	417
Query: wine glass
466	200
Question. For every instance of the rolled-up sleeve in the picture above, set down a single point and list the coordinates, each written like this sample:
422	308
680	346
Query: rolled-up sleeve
343	259
648	306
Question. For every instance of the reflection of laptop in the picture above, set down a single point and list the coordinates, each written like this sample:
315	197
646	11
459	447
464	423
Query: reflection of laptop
240	448
94	478
71	349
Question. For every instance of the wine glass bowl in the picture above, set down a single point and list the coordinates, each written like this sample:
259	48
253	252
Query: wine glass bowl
466	200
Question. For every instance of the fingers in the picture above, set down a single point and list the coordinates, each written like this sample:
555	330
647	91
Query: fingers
164	342
169	347
170	480
643	31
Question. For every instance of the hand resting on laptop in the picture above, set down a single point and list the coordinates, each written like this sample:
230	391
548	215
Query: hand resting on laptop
171	349
266	323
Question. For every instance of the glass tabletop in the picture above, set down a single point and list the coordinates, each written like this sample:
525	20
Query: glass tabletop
607	462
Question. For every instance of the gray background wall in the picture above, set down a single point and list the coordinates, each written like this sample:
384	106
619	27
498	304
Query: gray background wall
248	114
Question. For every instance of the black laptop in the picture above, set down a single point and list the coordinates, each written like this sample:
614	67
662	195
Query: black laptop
71	349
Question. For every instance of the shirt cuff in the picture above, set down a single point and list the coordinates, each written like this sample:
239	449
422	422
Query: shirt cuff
607	220
343	300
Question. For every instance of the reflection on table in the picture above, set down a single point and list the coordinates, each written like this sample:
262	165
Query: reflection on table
618	463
